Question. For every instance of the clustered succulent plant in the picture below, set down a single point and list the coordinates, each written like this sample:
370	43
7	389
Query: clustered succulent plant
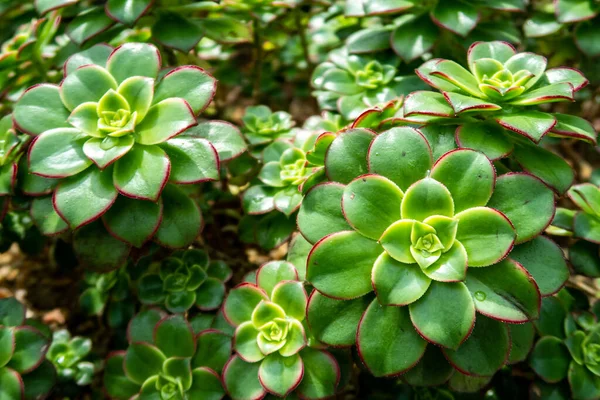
68	355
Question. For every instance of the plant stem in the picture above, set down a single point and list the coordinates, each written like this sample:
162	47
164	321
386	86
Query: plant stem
302	32
258	55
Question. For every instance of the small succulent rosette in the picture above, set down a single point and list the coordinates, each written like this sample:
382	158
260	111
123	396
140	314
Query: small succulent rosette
495	106
110	143
185	279
11	149
425	253
568	347
581	15
262	126
24	371
68	355
349	83
270	340
424	25
167	360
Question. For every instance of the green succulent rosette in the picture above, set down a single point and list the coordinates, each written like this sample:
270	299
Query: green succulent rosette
444	253
11	149
110	143
270	340
68	355
263	126
185	279
166	360
425	24
490	102
24	371
350	83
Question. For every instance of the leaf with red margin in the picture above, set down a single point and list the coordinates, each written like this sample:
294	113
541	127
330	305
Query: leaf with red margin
568	11
134	59
174	337
142	361
387	342
114	380
505	291
44	6
433	369
497	50
12	384
40	109
193	160
241	301
133	221
458	76
240	379
571	126
103	158
445	315
45	217
321	374
546	94
281	375
346	157
182	221
164	121
97	54
428	103
127	11
141	326
85	197
142	173
458	18
485	351
424	72
205	385
490	139
39	382
191	83
462	104
565	74
224	136
521	339
531	124
29	351
58	153
213	350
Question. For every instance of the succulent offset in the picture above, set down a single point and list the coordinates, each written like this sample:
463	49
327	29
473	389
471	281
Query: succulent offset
68	355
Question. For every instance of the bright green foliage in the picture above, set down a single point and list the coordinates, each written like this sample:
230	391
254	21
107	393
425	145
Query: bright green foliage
270	339
24	373
569	348
68	357
11	150
262	126
350	83
184	279
431	240
165	360
586	222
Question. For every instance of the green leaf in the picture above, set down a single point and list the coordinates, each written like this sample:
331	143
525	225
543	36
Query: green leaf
164	120
371	203
190	83
346	158
463	104
387	342
396	240
425	198
432	369
40	109
228	30
142	172
424	72
453	73
288	200
259	199
486	138
340	265
574	10
7	345
177	32
45	216
575	345
291	296
295	341
205	385
174	337
521	340
30	349
241	302
12	385
103	158
526	201
544	164
321	212
142	361
587	227
402	155
550	359
459	18
44	6
396	283
445	315
241	379
468	175
88	24
531	124
584	258
213	350
485	351
127	11
504	291
369	40
584	384
451	266
139	92
467	384
271	273
545	261
245	342
413	37
530	62
39	382
427	103
134	59
321	374
210	295
193	160
341	82
570	126
114	380
12	312
586	38
486	234
540	25
58	153
141	326
97	249
86	84
181	222
97	54
224	136
440	138
85	118
85	197
334	322
546	94
281	375
133	221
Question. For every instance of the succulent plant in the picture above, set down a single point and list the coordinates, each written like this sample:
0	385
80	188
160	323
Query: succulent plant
11	150
68	355
24	371
110	138
490	104
184	279
262	126
436	242
349	83
270	340
166	360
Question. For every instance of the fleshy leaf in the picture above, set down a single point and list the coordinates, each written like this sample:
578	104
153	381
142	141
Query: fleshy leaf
425	198
164	120
190	83
142	172
182	220
174	337
321	374
142	361
550	359
58	153
457	18
396	283
193	160
86	84
138	91
133	221
291	296
103	158
127	11
346	157
531	124
241	301
48	221
489	139
241	379
134	59
97	54
206	385
40	109
271	273
321	212
280	375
